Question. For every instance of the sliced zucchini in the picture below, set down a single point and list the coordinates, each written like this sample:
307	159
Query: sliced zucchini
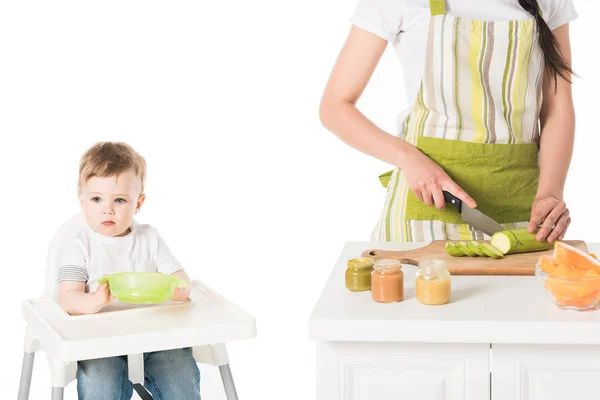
452	250
462	246
490	250
474	247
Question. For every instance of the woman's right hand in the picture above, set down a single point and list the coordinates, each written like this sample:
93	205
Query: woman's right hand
427	179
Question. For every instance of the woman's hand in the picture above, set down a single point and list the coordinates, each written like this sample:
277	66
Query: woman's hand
553	216
427	180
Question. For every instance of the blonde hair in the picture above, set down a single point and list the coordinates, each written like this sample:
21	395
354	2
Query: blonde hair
105	159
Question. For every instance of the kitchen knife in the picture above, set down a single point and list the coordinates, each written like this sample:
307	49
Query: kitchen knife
472	216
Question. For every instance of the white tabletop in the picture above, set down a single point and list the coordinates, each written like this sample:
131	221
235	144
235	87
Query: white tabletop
483	309
207	318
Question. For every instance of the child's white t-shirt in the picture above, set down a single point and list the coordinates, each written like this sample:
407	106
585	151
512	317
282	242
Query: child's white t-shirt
91	255
405	24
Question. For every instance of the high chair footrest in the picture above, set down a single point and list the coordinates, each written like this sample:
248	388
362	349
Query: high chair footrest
142	392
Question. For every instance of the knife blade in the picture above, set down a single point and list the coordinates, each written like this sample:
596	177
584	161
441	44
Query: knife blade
472	216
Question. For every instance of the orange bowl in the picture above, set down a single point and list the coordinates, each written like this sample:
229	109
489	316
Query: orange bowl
571	292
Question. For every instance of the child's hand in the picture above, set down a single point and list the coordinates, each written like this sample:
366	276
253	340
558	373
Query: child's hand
102	296
180	294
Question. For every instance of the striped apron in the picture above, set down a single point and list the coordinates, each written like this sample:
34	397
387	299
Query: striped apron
476	115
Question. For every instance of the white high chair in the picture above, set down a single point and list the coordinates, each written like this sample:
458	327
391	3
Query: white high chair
206	322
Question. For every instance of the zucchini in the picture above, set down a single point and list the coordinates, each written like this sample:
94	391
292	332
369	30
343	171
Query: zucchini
462	246
473	245
490	250
518	241
453	251
472	249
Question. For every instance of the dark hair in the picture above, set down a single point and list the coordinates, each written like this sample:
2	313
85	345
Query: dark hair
554	61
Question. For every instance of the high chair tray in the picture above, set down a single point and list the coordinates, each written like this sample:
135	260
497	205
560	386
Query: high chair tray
207	318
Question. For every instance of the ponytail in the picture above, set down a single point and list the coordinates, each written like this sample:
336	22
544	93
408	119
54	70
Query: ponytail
554	61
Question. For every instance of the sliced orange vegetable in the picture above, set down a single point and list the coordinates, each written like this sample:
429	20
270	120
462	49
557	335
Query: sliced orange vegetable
573	276
546	263
565	270
575	289
566	254
590	273
585	301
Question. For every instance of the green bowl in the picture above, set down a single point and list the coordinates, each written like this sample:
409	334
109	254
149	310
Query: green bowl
142	287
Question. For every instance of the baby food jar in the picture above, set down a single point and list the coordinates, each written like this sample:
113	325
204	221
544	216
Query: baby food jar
387	281
433	282
358	274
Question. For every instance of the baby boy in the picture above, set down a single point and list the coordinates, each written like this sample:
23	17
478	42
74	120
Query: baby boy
111	193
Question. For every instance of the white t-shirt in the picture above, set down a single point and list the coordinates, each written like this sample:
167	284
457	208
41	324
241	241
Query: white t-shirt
91	255
405	24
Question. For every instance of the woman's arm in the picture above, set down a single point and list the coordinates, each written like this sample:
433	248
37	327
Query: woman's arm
557	121
338	113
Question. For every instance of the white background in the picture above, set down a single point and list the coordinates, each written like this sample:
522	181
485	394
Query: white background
251	193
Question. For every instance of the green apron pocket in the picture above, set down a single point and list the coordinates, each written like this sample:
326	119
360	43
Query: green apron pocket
501	178
385	178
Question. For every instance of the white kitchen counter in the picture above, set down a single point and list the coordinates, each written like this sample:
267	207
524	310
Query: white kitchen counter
483	309
362	344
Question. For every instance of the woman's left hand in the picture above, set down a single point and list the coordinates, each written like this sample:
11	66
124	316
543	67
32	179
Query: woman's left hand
553	216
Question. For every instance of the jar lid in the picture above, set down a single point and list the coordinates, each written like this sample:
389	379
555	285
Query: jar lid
359	263
386	264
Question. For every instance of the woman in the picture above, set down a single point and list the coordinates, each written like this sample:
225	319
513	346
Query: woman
492	119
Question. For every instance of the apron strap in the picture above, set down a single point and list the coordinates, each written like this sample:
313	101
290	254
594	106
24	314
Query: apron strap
437	7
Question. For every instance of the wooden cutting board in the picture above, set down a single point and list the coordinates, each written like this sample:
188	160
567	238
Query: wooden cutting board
512	264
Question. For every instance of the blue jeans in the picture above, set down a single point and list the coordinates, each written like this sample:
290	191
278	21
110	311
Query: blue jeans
168	375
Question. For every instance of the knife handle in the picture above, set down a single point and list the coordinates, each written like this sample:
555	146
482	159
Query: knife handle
455	201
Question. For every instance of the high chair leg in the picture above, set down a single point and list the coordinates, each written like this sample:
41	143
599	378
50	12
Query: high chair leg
228	384
57	393
26	372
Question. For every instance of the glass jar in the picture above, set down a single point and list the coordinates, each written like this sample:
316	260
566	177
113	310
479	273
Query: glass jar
358	274
387	281
432	284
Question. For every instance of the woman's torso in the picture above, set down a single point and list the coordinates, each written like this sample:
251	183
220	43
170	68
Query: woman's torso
405	23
